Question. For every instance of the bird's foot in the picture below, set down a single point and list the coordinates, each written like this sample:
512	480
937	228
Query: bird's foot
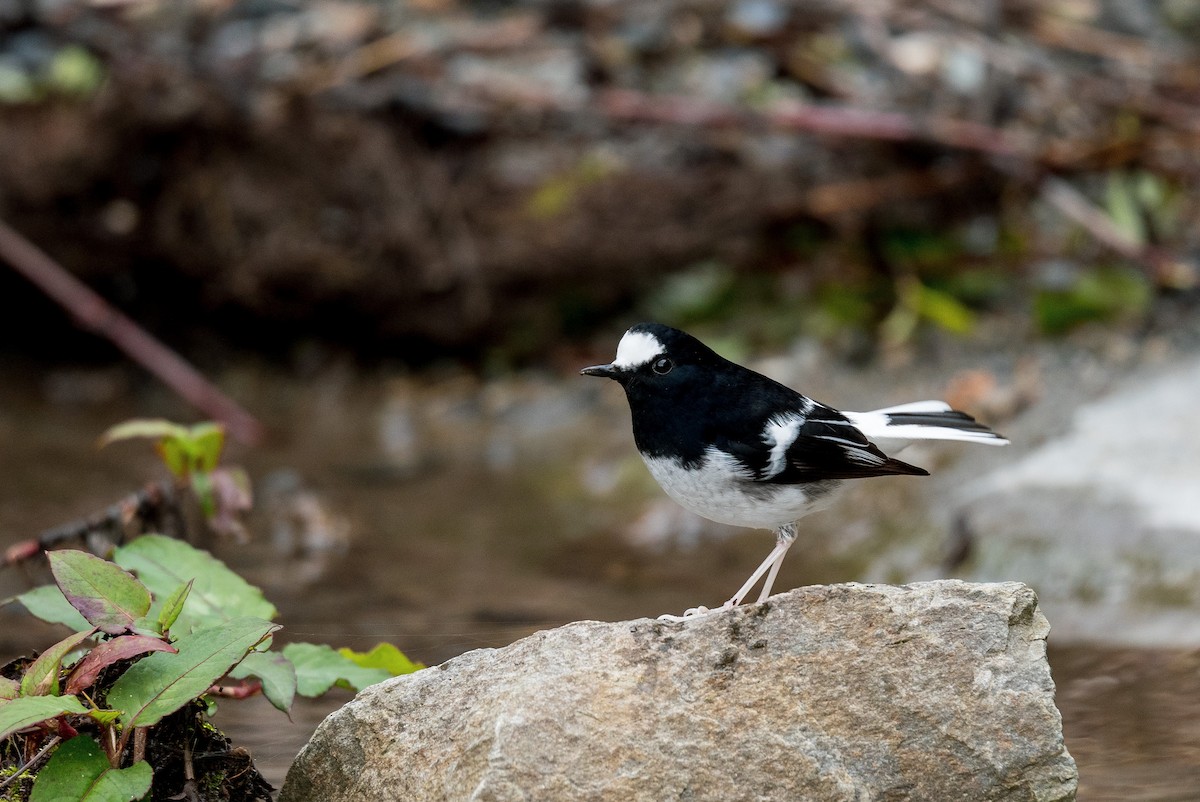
688	614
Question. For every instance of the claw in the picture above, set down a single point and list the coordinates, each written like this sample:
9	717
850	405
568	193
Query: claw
688	614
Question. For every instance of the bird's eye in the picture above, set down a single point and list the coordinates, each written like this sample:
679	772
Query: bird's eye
663	366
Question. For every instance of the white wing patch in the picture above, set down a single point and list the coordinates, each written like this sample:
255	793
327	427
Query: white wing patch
637	348
857	453
779	433
917	406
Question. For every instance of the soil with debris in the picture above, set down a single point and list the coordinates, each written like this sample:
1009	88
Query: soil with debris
192	760
421	178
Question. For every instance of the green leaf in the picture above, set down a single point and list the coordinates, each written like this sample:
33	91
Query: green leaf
105	717
385	656
1123	208
41	678
277	674
78	770
1101	294
162	683
75	71
50	605
155	428
173	606
558	193
217	594
9	689
105	595
174	455
319	668
29	710
202	488
206	441
944	310
701	292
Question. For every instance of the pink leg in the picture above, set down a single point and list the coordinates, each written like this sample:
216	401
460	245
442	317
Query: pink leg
784	538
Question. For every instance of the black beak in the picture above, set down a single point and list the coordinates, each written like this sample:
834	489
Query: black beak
607	371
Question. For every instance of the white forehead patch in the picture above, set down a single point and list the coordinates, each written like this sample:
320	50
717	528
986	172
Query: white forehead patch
637	348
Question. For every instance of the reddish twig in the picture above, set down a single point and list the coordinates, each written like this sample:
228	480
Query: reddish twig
156	507
239	691
844	121
139	745
860	194
95	314
1164	267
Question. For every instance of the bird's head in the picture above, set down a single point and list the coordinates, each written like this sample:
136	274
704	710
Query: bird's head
652	355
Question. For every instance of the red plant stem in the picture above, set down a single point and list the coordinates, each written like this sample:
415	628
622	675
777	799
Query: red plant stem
139	745
95	314
1163	266
242	691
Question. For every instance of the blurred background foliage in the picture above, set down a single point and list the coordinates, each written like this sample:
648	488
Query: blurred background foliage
417	180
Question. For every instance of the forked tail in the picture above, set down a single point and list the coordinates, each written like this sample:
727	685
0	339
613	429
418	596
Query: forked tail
923	420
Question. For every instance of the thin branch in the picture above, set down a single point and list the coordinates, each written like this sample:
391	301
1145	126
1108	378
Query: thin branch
16	775
832	120
1164	267
96	315
861	194
153	508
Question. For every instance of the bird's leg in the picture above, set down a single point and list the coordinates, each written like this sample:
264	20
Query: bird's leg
783	541
785	536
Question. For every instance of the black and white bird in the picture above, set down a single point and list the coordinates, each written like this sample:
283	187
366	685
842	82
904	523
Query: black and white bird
738	448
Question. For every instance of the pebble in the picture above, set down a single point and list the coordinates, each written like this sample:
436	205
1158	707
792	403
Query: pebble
756	18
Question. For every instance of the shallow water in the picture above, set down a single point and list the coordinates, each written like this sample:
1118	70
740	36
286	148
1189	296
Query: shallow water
444	514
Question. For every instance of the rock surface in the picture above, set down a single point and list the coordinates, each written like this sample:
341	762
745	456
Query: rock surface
936	690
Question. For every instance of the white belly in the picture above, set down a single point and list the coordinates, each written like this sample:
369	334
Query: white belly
721	490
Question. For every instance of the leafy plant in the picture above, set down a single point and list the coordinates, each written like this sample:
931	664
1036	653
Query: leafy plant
158	628
1103	294
192	454
72	72
917	302
556	195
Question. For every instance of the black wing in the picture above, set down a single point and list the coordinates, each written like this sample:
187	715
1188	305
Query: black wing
823	445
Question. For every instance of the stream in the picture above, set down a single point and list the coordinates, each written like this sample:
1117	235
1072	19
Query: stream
443	513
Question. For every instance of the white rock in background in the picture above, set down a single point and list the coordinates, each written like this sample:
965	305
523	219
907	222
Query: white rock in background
1104	519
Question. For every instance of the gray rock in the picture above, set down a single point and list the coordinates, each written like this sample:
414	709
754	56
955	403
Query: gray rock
937	690
756	17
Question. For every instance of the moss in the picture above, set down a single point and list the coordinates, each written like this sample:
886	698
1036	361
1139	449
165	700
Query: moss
20	788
